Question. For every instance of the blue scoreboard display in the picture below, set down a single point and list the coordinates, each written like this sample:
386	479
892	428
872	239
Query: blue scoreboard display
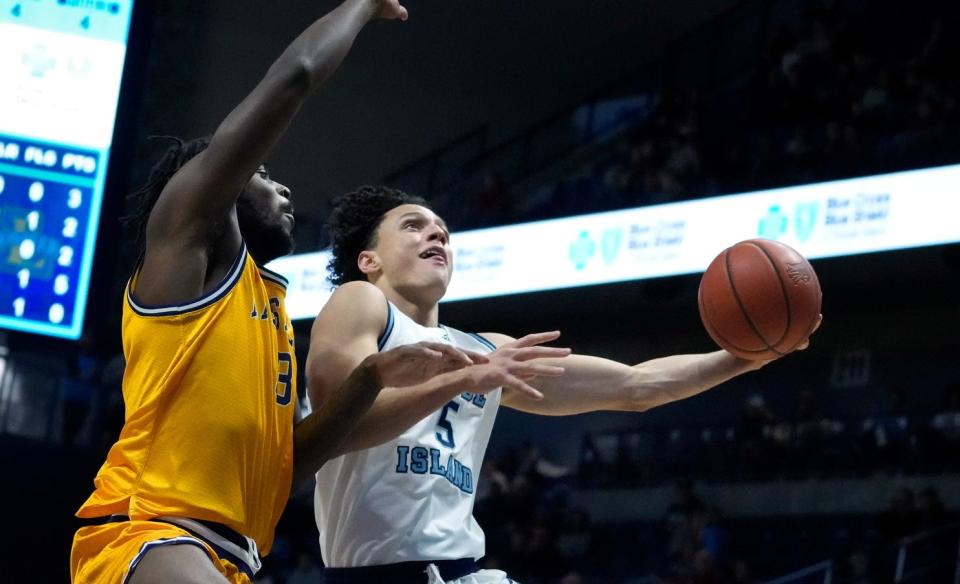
61	63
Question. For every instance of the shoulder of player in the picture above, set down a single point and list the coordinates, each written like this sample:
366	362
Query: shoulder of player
498	339
359	293
356	307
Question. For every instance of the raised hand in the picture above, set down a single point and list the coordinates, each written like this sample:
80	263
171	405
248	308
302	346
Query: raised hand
390	10
416	363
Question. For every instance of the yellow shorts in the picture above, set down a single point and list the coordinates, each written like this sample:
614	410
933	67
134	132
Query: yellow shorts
108	553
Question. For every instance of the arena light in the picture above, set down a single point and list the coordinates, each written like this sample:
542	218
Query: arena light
848	217
60	65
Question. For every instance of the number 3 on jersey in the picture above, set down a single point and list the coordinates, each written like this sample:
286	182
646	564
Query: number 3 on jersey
284	378
444	424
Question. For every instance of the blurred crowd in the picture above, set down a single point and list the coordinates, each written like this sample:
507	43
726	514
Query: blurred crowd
800	443
853	89
538	536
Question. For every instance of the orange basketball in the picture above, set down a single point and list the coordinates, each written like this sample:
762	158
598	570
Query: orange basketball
759	299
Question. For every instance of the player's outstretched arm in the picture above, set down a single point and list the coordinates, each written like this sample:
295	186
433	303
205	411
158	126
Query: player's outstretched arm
594	384
196	204
346	332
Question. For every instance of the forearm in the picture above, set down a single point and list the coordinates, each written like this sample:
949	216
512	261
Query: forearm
319	437
593	384
396	409
322	47
670	379
247	135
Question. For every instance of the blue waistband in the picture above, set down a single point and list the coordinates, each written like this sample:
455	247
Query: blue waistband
402	573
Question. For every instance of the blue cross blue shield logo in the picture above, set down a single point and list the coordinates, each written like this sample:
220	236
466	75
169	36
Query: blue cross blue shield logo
581	250
805	219
610	244
774	224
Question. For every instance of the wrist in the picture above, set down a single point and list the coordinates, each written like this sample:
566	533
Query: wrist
747	365
452	383
739	365
370	8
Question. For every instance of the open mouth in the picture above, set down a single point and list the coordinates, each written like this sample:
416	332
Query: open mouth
434	253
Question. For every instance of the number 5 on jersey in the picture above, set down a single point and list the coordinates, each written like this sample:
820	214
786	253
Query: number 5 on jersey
446	438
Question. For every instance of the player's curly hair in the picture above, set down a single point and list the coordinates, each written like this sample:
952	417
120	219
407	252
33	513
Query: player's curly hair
353	224
144	198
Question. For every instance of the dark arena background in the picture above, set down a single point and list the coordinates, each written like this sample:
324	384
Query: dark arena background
622	120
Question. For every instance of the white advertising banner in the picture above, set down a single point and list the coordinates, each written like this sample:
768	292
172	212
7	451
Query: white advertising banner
848	217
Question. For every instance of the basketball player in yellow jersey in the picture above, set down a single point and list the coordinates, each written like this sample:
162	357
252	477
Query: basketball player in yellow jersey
193	488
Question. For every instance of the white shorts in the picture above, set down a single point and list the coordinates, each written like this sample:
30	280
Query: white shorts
481	577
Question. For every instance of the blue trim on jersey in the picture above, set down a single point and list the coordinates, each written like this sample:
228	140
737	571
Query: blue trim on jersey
146	547
192	539
274	277
225	555
382	341
225	286
489	345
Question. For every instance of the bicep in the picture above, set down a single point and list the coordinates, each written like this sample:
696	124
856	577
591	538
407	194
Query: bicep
197	198
203	192
329	363
344	334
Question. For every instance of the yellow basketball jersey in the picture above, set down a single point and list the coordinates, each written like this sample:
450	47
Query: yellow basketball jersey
210	396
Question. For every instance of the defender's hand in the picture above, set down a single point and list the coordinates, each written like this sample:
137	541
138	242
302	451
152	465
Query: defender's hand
516	361
413	364
517	356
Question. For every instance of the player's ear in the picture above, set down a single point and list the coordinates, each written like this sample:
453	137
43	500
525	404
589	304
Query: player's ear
368	262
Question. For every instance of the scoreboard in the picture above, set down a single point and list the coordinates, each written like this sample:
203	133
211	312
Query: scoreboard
61	63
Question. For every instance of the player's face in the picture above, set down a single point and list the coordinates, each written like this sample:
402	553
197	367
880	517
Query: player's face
413	246
265	214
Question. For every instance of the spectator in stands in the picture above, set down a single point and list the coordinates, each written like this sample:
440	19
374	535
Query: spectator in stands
807	435
888	437
751	430
901	518
493	483
682	523
590	466
715	538
946	429
574	538
537	468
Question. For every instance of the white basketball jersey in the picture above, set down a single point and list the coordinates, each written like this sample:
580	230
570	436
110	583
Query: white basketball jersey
412	498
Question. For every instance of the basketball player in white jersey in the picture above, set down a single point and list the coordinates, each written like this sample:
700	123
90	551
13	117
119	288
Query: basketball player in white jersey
397	508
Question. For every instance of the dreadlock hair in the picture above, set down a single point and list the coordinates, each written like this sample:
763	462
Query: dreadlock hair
353	227
144	198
